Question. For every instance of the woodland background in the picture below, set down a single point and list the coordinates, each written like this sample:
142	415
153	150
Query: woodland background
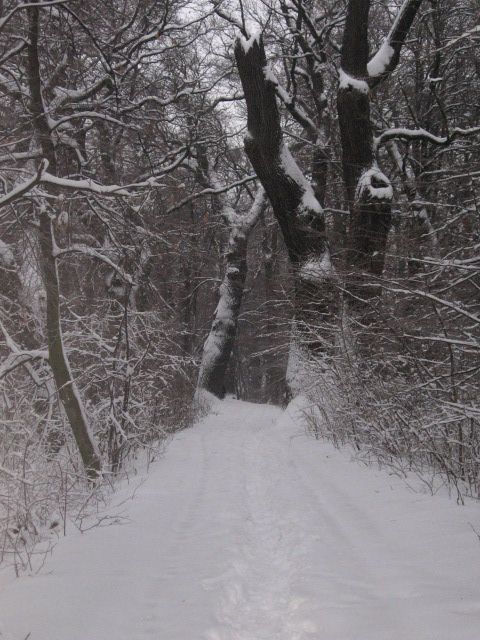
137	247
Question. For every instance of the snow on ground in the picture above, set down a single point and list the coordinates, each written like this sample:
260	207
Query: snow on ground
248	529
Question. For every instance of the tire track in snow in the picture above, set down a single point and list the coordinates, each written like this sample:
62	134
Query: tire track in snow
297	556
180	529
197	547
347	574
396	577
259	600
248	530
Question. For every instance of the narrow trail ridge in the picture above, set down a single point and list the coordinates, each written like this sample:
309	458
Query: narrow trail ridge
249	529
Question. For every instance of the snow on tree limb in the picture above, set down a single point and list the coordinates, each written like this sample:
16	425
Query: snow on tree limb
424	135
211	190
373	184
85	185
294	203
18	356
388	55
294	109
27	5
93	253
26	186
346	81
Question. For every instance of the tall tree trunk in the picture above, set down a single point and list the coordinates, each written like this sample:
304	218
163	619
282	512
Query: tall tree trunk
58	360
67	390
297	210
368	190
273	379
219	343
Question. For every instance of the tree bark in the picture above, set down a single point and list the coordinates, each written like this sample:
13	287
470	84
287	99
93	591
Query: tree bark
67	390
298	212
368	190
294	204
293	200
219	343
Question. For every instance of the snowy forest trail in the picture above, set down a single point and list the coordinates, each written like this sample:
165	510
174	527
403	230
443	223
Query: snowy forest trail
249	529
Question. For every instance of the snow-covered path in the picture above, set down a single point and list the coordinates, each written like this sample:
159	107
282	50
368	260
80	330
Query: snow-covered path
247	529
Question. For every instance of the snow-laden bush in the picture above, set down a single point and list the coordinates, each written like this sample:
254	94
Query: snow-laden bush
403	390
136	390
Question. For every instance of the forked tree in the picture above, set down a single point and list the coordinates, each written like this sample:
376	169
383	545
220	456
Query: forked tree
296	206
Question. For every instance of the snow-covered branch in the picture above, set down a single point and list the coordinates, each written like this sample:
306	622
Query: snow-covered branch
424	135
292	106
26	186
386	59
92	253
18	356
211	191
373	184
28	5
85	185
